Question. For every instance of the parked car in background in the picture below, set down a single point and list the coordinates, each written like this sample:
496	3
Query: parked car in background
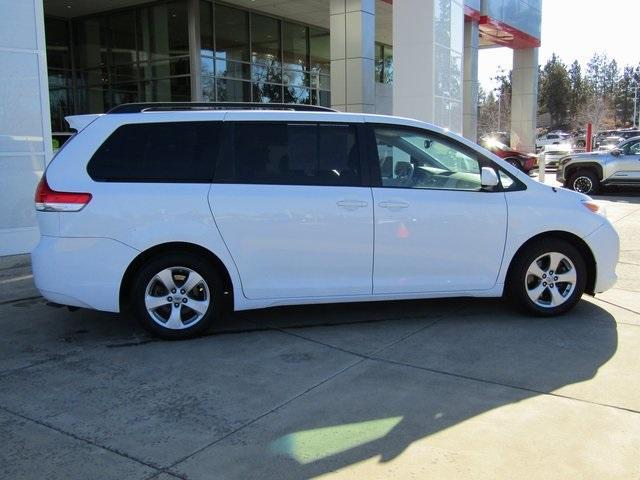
174	212
621	134
609	143
552	138
579	139
628	133
587	172
553	153
523	161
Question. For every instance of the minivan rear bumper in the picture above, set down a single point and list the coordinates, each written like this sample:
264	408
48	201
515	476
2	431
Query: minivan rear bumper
81	272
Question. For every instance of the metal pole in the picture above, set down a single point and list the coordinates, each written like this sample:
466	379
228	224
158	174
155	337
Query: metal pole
542	165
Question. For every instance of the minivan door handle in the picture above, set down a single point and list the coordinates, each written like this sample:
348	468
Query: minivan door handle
351	204
393	205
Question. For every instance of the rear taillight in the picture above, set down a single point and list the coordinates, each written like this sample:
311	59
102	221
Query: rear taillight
48	200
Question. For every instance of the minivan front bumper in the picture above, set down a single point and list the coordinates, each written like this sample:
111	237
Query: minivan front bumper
605	246
81	272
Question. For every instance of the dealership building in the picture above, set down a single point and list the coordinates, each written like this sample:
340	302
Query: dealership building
415	58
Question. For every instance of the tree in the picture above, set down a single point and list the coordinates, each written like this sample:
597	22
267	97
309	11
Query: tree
494	108
555	90
578	90
488	114
602	75
597	111
624	96
611	76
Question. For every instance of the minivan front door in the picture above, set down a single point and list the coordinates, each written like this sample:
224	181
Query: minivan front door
290	204
435	229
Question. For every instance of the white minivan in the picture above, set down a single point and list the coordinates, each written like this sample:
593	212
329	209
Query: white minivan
174	211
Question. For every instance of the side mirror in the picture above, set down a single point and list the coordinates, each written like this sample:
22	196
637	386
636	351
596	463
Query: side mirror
616	152
489	177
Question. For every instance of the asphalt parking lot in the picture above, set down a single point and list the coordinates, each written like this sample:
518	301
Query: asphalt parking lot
421	389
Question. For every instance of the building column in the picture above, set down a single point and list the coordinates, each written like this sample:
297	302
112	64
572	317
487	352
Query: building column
25	121
427	61
470	85
524	99
353	29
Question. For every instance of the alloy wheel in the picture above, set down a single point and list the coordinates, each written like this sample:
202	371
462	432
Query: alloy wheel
550	280
582	184
177	298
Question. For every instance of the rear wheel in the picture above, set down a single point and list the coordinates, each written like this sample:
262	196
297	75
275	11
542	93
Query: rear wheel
514	162
548	278
177	296
584	181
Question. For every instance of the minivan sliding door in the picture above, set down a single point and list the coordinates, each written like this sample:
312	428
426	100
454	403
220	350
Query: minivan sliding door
290	203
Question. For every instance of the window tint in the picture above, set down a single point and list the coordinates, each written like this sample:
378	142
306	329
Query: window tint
292	154
158	152
417	159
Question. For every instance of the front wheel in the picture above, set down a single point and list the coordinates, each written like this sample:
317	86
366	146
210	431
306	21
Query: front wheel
548	278
584	181
177	295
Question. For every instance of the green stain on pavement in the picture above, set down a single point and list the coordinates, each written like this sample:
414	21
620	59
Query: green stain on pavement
310	445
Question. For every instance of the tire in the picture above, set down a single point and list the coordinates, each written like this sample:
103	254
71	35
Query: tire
538	296
514	163
167	311
584	181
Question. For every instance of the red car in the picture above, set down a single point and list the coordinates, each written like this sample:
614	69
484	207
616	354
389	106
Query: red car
524	161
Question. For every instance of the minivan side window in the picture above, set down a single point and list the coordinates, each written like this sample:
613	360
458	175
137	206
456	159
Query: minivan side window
291	154
167	152
411	158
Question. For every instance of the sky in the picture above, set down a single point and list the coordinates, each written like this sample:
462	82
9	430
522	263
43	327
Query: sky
575	30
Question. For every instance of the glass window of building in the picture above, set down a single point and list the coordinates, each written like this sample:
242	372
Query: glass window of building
207	71
295	47
231	65
142	54
232	33
59	72
266	68
320	61
384	63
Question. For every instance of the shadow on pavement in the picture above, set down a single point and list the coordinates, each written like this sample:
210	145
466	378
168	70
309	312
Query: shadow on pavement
472	362
428	365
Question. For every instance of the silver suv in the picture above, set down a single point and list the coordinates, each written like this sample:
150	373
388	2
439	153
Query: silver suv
587	172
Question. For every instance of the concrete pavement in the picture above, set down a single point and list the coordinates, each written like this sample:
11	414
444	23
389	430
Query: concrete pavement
420	389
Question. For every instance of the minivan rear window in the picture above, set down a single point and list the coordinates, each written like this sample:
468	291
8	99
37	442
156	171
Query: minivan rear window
171	152
291	154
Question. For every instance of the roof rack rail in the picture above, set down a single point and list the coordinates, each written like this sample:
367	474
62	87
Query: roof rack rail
181	106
